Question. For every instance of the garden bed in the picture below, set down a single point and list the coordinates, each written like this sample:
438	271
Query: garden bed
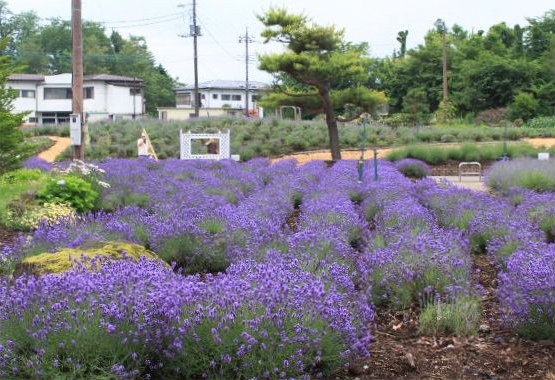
280	269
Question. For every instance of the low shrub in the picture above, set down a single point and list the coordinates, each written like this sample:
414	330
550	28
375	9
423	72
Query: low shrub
461	317
413	168
64	259
192	253
21	175
25	215
492	117
437	155
541	122
525	173
77	192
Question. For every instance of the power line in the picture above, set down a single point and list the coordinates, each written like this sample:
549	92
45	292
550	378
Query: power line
217	42
139	19
147	24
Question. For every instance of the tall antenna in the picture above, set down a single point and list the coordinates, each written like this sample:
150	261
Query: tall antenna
194	31
247	40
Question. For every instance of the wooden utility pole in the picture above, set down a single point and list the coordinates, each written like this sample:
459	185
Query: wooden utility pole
195	33
247	40
77	77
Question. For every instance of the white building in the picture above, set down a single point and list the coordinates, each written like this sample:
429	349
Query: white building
216	98
48	98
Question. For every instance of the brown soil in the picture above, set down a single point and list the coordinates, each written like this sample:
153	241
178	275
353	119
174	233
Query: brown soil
7	236
61	144
399	351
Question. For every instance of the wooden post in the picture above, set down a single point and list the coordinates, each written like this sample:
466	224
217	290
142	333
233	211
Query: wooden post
77	78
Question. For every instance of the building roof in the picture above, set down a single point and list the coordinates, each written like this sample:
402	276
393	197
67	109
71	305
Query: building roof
98	77
225	85
26	77
111	78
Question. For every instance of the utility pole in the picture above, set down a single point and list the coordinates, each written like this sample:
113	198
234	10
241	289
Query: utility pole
77	77
247	40
194	31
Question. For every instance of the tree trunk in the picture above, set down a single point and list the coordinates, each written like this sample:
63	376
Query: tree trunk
331	121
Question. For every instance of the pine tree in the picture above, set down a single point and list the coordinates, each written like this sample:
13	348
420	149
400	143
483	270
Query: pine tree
12	149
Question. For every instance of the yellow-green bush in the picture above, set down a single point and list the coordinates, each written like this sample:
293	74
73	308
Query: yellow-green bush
28	218
63	260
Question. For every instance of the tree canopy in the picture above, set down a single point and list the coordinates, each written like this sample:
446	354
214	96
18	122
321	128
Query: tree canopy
318	71
487	69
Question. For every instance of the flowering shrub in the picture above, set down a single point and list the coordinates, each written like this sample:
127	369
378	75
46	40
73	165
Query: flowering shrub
529	174
269	320
31	217
38	163
271	270
413	168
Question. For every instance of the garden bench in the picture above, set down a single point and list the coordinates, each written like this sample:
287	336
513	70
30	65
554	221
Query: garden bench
476	165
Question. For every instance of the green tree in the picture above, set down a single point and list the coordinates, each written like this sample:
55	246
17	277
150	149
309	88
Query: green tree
524	107
11	137
402	39
317	57
416	104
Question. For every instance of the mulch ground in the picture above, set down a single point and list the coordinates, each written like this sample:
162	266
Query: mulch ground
7	236
400	351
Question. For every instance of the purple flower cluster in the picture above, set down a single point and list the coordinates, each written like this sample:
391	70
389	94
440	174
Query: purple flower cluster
37	163
308	252
517	231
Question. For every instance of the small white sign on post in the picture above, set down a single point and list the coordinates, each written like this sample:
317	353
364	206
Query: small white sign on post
543	156
223	144
75	129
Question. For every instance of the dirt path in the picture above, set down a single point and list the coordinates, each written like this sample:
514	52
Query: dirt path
354	154
347	154
61	144
541	142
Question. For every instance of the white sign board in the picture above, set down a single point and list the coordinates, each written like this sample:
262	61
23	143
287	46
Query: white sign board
75	129
224	149
543	156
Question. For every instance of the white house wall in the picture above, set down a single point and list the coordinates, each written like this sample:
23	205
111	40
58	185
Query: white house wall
121	101
209	102
25	104
107	100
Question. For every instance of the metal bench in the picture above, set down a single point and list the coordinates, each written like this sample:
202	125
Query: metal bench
470	173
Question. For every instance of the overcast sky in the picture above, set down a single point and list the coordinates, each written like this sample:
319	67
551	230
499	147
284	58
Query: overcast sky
222	21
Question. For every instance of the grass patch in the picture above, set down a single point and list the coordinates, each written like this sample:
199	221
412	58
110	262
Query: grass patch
461	317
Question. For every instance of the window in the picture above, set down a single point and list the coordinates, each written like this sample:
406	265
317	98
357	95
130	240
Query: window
51	93
135	91
88	92
203	96
27	94
183	99
214	96
226	97
236	97
255	98
33	120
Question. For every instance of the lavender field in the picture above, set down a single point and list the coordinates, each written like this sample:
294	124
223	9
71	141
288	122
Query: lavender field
260	270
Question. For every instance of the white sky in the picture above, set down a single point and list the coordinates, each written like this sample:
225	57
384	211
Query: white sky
222	21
